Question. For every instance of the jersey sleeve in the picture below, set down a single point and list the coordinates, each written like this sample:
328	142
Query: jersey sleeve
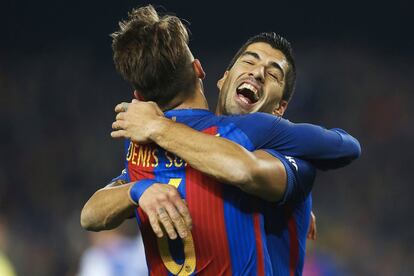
300	178
325	148
124	176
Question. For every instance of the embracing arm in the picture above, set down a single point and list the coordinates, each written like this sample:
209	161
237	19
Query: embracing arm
107	208
256	173
325	148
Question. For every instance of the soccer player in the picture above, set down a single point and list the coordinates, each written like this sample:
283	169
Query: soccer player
287	225
288	219
228	234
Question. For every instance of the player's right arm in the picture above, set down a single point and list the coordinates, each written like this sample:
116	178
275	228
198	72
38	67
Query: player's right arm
110	206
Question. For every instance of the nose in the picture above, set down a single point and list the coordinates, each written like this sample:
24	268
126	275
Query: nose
258	73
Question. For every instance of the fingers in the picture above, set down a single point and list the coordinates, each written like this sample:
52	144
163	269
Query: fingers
119	125
312	228
177	220
120	116
166	221
120	134
153	219
166	210
122	107
314	232
312	235
182	218
163	217
182	208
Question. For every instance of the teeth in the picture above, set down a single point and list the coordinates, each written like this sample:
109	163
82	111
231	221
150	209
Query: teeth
248	86
243	99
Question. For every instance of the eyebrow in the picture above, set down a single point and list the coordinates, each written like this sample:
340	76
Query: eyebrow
248	53
256	56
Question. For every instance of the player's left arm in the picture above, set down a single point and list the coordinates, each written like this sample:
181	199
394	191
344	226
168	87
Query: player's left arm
325	148
300	177
226	161
300	180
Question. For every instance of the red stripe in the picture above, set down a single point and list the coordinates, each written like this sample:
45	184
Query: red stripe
154	261
204	198
141	168
294	243
259	244
137	168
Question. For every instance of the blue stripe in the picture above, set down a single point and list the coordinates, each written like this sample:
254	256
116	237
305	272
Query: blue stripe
267	261
239	219
278	240
277	236
240	232
172	167
238	206
302	218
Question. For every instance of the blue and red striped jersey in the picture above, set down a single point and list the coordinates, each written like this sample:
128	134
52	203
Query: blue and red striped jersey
287	222
228	235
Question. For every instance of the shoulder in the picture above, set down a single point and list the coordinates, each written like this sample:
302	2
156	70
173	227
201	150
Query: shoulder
253	123
258	118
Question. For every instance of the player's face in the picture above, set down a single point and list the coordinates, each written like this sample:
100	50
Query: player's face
255	82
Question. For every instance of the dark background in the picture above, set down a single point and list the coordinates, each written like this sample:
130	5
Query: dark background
58	88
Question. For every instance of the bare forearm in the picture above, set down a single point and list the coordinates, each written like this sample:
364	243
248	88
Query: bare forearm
257	173
218	157
270	177
107	208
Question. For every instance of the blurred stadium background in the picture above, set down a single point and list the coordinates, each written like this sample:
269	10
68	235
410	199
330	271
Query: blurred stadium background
58	88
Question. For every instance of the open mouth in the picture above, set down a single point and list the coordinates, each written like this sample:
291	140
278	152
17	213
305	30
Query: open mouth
247	93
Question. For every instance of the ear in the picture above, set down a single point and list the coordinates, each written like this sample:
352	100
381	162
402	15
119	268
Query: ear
138	96
281	108
198	69
221	81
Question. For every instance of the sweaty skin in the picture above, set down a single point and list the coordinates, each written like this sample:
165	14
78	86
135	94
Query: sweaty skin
256	173
264	68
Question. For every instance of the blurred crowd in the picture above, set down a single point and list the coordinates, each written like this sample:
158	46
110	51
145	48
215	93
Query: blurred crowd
56	115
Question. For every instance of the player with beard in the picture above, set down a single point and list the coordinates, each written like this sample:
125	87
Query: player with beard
230	232
262	56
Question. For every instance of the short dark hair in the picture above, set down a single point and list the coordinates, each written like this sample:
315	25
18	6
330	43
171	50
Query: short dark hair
279	43
151	53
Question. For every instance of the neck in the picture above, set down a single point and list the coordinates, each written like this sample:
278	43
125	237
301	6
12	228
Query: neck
196	101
